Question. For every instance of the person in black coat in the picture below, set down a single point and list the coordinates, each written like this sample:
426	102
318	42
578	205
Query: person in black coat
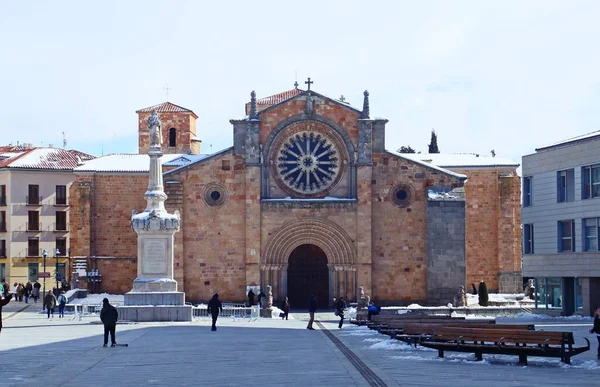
340	306
286	309
109	317
251	297
596	328
3	301
214	307
260	297
312	308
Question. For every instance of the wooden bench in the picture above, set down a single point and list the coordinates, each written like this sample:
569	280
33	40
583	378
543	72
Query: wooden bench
382	321
393	328
504	341
416	333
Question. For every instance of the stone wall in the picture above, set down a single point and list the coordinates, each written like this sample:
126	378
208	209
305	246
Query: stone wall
493	234
117	273
446	258
399	257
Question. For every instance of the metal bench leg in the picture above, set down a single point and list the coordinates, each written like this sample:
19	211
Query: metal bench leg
479	356
567	360
440	353
523	359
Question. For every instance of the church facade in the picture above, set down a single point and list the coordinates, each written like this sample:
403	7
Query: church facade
309	201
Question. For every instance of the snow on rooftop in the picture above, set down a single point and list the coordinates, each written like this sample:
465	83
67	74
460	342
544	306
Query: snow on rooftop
417	160
43	158
573	139
134	162
455	160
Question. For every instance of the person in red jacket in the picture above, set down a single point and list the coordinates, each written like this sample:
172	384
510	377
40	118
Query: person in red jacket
3	301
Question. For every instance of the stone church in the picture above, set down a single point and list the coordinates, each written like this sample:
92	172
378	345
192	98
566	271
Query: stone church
309	201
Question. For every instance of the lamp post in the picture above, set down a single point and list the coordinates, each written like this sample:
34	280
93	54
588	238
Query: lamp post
69	265
56	254
44	254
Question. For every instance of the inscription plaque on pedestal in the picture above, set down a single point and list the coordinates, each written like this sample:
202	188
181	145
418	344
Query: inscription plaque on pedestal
155	256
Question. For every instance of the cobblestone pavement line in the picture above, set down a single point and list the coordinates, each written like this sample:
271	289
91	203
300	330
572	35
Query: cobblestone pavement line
362	368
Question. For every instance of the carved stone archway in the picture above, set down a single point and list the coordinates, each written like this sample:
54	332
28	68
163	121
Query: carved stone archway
327	235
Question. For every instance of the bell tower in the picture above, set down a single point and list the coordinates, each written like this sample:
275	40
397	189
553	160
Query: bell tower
178	134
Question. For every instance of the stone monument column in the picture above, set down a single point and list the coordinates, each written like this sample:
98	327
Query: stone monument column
155	227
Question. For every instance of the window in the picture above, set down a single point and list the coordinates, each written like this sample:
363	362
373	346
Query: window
565	186
61	195
34	194
2	195
591	228
527	191
33	223
33	247
33	270
2	271
61	221
528	239
3	248
172	137
566	236
590	177
61	246
2	221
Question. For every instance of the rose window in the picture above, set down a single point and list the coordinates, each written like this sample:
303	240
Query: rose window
308	163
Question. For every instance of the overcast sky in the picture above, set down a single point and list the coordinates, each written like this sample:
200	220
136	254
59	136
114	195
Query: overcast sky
509	76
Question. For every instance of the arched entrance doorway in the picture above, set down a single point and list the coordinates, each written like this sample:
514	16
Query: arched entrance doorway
308	274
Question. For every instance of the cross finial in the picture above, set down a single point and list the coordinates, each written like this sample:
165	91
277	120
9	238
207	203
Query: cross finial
167	89
366	110
296	84
309	82
342	98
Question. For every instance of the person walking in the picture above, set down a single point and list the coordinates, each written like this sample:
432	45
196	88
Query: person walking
50	303
596	328
20	292
340	307
35	293
251	296
286	308
109	317
26	294
62	303
3	301
312	308
214	307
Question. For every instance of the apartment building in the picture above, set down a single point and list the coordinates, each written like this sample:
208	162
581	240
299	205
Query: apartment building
34	212
561	224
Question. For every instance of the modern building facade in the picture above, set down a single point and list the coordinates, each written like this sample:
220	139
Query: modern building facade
561	224
34	212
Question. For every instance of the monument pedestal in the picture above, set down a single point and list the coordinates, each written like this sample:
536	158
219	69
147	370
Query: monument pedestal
154	296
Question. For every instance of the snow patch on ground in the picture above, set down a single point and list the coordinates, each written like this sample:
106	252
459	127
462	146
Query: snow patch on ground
389	345
533	316
96	299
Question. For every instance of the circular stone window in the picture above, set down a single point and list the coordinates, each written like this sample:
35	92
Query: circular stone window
308	160
402	195
214	195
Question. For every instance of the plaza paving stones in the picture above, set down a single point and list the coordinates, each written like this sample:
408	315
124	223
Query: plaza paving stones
36	351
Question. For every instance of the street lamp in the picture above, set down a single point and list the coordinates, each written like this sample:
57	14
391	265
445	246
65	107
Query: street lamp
69	264
44	254
56	254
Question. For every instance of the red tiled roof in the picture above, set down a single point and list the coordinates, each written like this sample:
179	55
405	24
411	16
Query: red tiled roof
277	98
166	107
45	158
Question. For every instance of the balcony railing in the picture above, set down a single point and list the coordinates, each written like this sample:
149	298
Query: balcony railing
33	226
2	201
33	252
61	227
33	200
3	227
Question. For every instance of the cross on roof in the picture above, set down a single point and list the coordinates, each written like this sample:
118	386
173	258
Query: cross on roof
167	89
309	82
342	98
296	84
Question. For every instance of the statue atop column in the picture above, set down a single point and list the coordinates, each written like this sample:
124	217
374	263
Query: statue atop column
154	126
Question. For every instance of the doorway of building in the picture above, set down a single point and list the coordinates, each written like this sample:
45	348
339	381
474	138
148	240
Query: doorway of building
308	274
